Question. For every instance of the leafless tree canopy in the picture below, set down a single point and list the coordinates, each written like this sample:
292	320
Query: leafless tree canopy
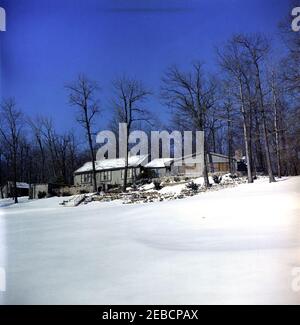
250	106
130	99
129	103
11	133
82	95
192	96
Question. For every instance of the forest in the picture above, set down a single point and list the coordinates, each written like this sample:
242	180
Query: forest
251	104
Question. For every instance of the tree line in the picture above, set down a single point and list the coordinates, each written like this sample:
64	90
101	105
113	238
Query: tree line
250	104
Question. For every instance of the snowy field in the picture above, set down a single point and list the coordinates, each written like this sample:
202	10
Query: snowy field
237	245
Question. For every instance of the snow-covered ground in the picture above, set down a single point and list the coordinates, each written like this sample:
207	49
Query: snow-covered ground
237	245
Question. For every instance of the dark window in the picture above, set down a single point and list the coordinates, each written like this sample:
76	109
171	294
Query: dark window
105	176
129	173
86	178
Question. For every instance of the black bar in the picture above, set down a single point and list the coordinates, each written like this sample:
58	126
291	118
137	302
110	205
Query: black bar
123	314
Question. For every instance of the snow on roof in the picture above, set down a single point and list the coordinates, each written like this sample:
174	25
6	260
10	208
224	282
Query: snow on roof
22	185
159	163
107	164
220	155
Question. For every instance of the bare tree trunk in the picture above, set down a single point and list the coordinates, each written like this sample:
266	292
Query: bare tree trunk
92	153
267	149
50	140
277	141
211	163
213	132
250	128
126	161
15	176
205	169
30	174
43	160
285	160
229	139
1	180
246	136
250	133
257	141
264	126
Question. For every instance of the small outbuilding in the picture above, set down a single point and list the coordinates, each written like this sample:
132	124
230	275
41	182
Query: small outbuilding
8	189
219	163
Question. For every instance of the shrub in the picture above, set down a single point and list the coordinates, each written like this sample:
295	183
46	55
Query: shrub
83	192
42	195
176	179
193	186
66	194
157	185
217	179
134	187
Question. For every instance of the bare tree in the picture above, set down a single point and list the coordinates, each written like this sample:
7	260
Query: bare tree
50	139
228	116
191	95
233	63
291	61
37	132
1	175
276	111
129	103
10	130
82	94
290	80
73	160
257	47
56	155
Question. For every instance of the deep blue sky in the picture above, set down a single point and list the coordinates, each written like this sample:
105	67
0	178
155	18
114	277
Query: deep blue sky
48	42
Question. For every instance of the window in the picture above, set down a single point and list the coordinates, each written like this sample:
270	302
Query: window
129	173
190	166
105	176
221	167
86	178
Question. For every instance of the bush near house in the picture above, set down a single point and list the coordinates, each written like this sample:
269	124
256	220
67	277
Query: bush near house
217	179
157	185
66	194
42	195
193	186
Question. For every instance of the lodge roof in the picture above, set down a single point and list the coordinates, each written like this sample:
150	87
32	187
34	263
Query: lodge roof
109	164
